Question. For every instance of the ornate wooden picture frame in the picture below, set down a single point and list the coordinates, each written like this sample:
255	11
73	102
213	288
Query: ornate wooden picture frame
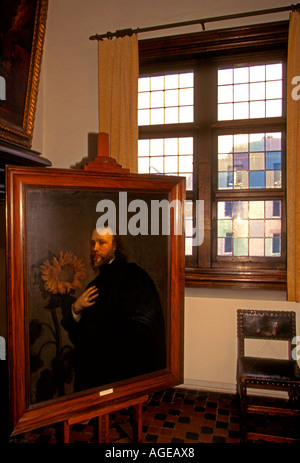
21	47
49	216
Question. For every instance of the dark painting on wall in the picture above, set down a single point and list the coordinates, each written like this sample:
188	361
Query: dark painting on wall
22	32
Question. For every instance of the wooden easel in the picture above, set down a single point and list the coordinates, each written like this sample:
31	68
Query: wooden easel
101	419
104	163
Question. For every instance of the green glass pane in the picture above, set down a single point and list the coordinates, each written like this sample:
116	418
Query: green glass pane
224	228
240	247
257	142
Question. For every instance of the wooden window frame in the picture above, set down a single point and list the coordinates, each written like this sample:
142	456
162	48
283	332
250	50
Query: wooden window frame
203	50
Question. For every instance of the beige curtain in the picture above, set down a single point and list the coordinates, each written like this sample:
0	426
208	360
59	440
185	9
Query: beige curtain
118	93
293	159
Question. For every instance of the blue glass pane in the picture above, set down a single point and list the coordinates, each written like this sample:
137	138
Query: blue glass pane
273	160
225	180
257	179
228	209
241	161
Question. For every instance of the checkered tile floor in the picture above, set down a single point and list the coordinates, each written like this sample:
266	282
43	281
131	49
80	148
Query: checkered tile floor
173	416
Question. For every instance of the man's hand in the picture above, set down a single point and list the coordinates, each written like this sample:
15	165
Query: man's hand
86	299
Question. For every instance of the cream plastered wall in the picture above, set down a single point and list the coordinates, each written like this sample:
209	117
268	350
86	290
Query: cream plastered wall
65	128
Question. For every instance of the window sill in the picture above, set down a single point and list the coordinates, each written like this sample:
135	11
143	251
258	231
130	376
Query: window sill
225	278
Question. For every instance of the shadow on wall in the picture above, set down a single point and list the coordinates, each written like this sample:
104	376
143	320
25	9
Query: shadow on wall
92	150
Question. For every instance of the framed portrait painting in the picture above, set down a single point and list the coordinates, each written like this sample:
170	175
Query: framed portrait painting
95	283
22	26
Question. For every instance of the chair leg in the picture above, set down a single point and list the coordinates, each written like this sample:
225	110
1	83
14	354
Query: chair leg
242	393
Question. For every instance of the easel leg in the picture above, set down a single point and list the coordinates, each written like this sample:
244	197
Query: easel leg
137	422
101	428
63	432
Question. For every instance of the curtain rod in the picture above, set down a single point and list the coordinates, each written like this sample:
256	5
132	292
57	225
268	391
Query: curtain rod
123	32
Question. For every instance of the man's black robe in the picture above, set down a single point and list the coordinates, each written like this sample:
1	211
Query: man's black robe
122	335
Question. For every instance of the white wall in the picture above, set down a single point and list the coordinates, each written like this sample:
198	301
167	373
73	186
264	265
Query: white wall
67	112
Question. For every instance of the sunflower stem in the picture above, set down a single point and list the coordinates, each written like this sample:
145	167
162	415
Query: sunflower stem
60	384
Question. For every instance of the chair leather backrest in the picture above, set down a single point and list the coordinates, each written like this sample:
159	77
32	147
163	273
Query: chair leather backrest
266	324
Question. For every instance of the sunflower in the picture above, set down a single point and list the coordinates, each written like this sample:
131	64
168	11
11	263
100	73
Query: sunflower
64	274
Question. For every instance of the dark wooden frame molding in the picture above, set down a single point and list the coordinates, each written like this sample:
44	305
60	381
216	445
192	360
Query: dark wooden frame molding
24	416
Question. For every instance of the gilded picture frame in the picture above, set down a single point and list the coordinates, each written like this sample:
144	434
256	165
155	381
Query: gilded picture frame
23	26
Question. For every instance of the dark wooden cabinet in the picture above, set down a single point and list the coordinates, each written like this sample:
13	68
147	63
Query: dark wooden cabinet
11	154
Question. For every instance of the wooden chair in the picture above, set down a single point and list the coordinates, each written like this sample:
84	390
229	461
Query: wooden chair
267	373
